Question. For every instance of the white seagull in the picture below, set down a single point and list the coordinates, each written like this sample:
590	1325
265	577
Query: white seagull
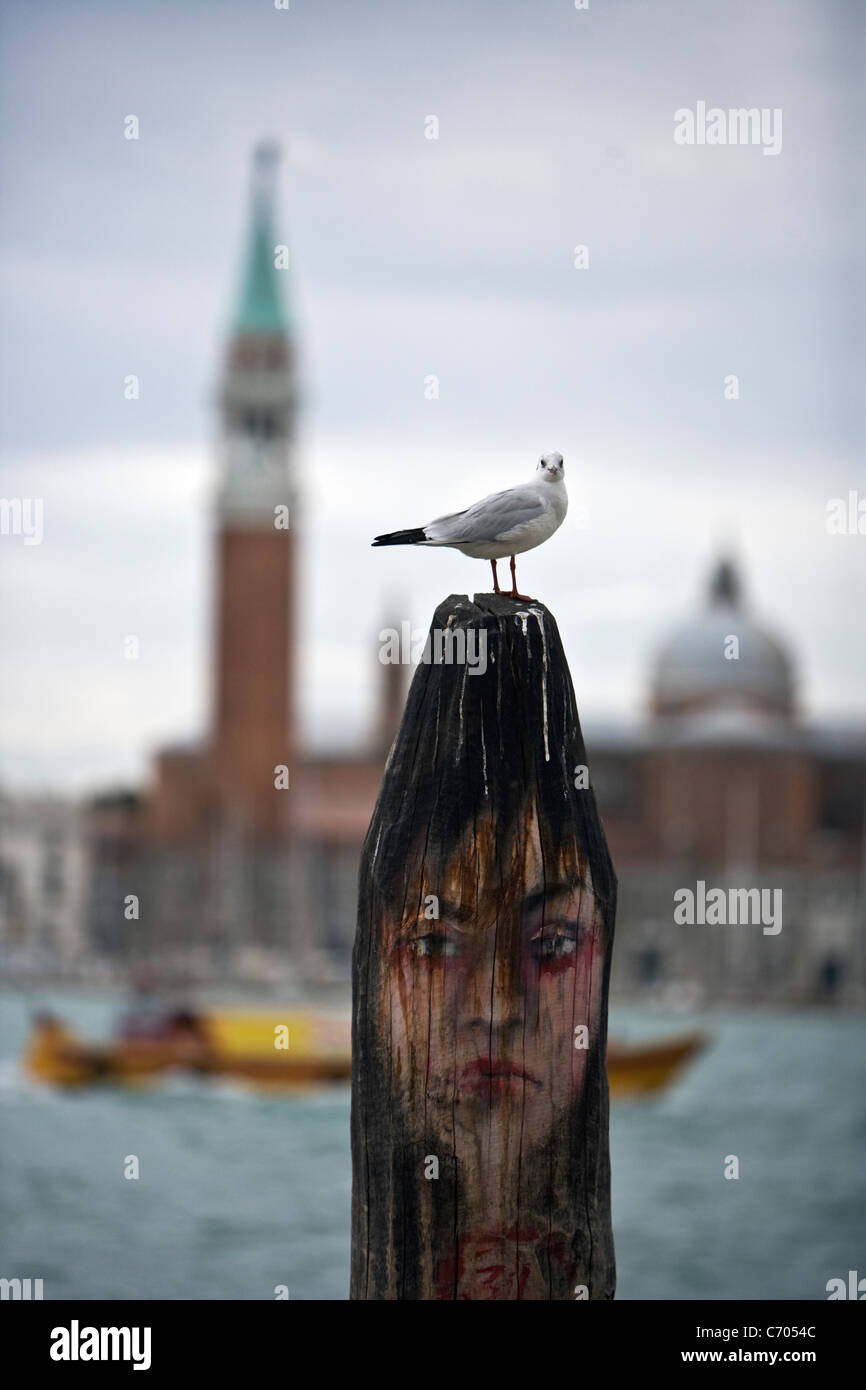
505	523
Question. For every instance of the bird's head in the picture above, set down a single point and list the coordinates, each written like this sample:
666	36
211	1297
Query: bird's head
551	467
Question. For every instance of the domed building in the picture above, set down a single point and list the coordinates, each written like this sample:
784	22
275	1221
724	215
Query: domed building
723	657
723	680
726	786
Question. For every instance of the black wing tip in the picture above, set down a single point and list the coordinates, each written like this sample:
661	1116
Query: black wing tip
413	536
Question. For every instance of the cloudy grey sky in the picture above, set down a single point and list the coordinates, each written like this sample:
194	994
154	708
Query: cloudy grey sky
414	257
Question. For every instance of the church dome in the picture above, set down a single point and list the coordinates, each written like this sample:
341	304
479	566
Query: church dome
722	656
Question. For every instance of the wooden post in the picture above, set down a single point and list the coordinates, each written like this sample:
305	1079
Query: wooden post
480	979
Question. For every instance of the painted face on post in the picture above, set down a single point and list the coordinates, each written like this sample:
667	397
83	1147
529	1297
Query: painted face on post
487	907
491	1005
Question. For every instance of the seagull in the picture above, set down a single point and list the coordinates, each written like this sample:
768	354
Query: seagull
505	523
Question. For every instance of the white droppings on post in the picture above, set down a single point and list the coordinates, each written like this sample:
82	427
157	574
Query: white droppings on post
540	619
376	846
436	727
460	718
566	786
484	757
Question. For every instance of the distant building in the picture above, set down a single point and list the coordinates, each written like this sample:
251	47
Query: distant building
725	784
244	849
43	885
238	876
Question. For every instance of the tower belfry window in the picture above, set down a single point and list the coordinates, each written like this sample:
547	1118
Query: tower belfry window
259	424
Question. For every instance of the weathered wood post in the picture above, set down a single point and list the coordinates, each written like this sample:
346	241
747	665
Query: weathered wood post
480	979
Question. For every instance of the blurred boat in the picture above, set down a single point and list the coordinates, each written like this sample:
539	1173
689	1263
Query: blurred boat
282	1049
300	1048
640	1069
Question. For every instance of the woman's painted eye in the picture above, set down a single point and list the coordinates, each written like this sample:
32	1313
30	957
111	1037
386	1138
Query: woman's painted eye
555	945
435	946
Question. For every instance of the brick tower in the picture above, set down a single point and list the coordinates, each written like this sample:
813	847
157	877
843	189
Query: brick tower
253	718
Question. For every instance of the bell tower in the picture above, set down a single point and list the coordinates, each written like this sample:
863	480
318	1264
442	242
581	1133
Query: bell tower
253	717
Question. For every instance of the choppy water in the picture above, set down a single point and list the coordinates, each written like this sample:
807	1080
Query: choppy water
241	1192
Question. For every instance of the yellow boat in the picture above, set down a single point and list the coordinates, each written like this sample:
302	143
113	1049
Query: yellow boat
299	1048
641	1069
291	1048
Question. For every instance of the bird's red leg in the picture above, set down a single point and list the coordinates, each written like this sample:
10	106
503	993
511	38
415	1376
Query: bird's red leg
514	593
496	588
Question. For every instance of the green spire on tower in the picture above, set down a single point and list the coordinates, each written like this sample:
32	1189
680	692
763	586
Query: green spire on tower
260	308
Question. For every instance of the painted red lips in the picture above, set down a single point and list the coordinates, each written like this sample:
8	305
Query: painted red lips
497	1076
